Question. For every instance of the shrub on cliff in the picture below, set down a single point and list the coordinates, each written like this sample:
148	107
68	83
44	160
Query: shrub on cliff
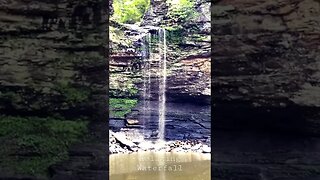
181	10
129	11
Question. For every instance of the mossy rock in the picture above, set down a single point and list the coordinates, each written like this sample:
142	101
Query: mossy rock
119	107
73	95
32	144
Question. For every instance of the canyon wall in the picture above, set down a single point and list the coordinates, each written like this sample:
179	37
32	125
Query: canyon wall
266	65
265	61
52	58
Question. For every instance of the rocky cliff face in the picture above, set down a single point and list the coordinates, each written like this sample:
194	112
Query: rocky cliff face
190	78
265	77
188	54
266	64
188	73
52	57
266	59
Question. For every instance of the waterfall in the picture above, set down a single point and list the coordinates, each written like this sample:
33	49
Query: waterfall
148	57
145	88
162	82
149	76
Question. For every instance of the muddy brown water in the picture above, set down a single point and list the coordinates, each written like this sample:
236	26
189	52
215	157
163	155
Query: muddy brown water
160	166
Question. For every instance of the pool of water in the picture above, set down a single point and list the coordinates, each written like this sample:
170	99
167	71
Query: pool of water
159	166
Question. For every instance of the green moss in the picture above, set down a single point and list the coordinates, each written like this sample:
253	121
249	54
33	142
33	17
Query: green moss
175	35
71	94
36	165
121	85
133	91
39	142
198	37
130	92
13	97
119	107
117	37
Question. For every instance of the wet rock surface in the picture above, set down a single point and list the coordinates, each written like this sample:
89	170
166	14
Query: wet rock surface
183	121
128	141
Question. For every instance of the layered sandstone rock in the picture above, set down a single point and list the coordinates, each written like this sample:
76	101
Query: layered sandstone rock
266	64
188	54
52	57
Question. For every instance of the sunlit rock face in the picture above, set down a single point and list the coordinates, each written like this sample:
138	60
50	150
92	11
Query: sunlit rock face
266	64
52	57
188	53
188	74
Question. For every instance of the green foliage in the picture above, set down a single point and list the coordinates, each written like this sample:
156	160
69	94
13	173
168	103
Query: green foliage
179	13
12	126
129	11
181	10
122	86
12	96
117	37
119	107
130	92
175	35
45	141
36	165
71	94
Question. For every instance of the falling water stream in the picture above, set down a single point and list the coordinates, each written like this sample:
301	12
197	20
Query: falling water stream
146	85
149	56
162	83
149	75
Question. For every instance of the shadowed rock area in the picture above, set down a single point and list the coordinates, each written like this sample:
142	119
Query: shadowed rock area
266	64
52	57
265	89
253	155
53	64
88	160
